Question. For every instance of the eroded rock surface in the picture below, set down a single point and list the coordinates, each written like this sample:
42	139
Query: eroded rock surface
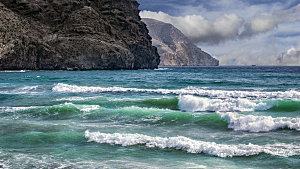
74	34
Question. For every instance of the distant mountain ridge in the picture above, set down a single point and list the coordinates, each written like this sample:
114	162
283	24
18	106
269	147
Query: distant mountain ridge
174	48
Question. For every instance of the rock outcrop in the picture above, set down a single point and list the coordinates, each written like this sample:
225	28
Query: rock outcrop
174	48
74	34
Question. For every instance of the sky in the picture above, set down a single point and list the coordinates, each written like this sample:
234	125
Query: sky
237	32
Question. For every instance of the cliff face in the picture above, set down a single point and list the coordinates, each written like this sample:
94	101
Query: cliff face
174	48
74	34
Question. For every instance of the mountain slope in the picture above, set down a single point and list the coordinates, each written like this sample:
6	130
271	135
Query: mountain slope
174	48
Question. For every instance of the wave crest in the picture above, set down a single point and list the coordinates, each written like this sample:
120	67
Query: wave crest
193	104
253	123
192	146
66	88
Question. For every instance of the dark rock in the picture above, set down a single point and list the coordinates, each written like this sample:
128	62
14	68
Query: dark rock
74	34
174	48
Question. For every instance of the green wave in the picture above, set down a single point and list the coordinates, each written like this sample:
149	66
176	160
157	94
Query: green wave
59	112
56	112
35	138
19	126
166	103
153	111
132	114
155	116
286	106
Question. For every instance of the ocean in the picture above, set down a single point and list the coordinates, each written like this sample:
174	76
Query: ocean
171	117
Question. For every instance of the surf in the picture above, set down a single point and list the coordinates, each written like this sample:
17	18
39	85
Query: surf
290	94
192	146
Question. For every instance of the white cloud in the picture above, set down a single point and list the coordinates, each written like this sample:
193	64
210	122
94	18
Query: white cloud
259	50
227	26
200	29
291	57
250	33
266	22
259	24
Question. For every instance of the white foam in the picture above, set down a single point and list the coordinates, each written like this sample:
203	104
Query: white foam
76	98
192	146
253	123
88	108
291	94
193	104
15	71
124	99
84	108
162	69
24	90
15	109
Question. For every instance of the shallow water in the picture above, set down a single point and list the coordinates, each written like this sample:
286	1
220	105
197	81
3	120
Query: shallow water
199	117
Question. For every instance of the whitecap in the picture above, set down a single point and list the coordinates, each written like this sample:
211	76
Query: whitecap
76	98
16	109
162	68
193	104
15	71
24	90
291	94
251	123
192	146
83	108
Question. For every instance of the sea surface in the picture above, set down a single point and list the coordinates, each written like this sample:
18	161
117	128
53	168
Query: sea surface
172	117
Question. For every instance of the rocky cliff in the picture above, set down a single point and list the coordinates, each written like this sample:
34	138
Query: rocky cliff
174	48
74	34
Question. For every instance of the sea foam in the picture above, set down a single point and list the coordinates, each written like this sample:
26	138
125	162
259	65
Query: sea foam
15	109
192	146
193	104
22	90
76	98
83	108
253	123
291	94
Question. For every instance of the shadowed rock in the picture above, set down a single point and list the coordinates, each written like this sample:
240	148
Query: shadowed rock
74	34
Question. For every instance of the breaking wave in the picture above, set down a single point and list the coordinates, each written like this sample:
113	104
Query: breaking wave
193	146
291	94
15	109
253	123
76	98
55	112
194	104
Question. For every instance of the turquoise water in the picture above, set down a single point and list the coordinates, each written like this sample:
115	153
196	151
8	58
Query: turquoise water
197	117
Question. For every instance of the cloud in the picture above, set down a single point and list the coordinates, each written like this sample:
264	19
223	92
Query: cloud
200	29
266	22
255	32
247	56
290	58
259	24
228	26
